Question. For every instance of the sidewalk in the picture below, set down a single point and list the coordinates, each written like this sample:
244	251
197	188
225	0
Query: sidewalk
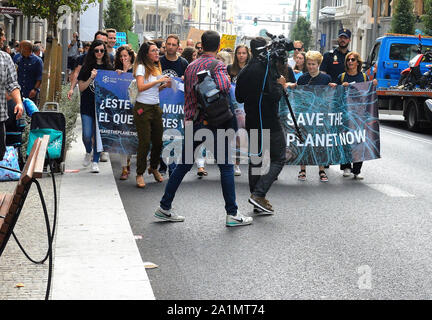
95	254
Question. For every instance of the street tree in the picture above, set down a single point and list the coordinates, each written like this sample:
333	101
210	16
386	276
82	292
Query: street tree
403	18
52	11
302	31
427	17
119	15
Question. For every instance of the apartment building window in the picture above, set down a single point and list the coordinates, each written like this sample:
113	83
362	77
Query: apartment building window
338	3
150	24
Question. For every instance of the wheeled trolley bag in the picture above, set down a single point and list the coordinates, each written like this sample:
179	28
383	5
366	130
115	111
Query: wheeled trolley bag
52	123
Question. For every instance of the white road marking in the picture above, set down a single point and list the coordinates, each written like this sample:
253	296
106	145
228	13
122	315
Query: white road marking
391	191
407	136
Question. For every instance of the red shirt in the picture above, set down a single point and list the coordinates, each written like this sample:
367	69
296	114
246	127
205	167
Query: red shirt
190	78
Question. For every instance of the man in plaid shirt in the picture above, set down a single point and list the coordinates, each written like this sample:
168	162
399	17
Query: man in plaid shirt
211	43
8	83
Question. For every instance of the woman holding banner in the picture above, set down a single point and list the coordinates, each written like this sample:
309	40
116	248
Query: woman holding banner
147	113
123	62
96	58
314	77
352	74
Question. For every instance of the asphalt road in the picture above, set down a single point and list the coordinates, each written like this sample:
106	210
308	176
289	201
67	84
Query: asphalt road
344	239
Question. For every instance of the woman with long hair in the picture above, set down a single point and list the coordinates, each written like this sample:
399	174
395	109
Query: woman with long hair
147	112
96	59
190	54
242	57
300	65
123	62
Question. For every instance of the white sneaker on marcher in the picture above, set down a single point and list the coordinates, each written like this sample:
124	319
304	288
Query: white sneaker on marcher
238	220
347	172
358	177
94	167
168	215
87	159
104	157
237	171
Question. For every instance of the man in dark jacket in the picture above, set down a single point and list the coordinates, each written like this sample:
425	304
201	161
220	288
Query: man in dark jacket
262	118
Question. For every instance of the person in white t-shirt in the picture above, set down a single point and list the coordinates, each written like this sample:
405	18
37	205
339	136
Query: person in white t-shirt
147	112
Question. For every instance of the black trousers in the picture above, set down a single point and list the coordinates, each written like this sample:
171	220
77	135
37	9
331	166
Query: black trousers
2	140
259	185
355	168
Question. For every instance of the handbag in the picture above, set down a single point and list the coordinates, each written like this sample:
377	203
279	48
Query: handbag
10	160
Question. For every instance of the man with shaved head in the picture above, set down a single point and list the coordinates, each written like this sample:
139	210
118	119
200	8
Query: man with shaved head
30	68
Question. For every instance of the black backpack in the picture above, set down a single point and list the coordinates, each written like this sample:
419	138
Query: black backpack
213	103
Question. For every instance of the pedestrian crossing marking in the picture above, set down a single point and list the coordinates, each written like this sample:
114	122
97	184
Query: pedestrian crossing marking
391	191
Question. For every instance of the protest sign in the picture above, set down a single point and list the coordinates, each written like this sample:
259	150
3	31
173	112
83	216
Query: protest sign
121	39
114	112
341	124
228	41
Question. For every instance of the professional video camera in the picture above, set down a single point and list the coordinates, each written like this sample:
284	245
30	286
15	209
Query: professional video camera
276	52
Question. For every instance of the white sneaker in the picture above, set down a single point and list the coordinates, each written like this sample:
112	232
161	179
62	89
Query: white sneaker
358	177
238	220
237	171
103	157
167	215
347	172
87	159
94	167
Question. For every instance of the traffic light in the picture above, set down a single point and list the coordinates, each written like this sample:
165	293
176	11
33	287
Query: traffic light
255	21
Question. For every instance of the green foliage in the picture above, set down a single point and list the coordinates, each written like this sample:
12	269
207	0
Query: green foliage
302	31
119	15
49	9
427	17
403	18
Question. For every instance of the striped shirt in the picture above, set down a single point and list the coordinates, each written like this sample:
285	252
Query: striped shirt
8	82
190	79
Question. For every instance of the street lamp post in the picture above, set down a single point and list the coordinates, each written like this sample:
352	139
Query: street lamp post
157	18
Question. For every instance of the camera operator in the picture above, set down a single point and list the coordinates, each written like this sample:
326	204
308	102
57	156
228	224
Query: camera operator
249	88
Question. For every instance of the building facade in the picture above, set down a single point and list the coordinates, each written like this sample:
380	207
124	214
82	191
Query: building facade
356	15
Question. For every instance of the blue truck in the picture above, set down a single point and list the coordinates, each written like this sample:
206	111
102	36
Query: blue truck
388	58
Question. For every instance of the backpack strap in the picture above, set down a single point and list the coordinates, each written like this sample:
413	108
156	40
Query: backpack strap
212	66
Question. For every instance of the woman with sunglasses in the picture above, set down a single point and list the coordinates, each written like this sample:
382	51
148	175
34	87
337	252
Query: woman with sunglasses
96	59
123	63
147	113
352	74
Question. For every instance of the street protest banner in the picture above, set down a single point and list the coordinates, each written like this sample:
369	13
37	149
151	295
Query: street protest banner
228	41
114	112
340	124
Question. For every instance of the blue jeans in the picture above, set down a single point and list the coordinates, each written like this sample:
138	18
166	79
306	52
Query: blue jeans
89	136
226	171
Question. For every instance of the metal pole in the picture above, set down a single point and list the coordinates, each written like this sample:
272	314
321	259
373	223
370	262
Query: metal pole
199	20
375	25
101	9
157	18
318	2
